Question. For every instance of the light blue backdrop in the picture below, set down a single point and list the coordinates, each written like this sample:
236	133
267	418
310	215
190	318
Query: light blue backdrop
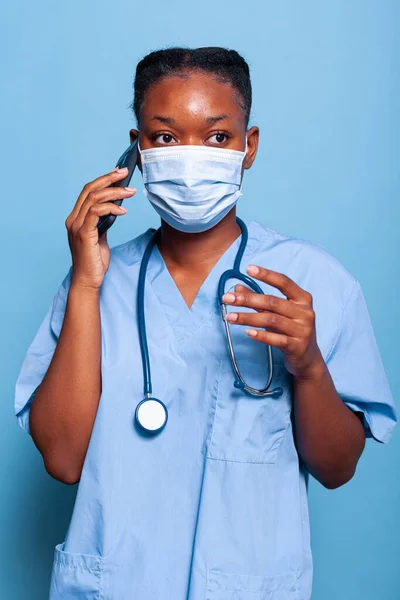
326	98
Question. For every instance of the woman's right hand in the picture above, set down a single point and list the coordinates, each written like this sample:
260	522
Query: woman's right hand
91	253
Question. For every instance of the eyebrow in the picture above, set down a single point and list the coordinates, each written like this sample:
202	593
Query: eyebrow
168	120
171	121
217	118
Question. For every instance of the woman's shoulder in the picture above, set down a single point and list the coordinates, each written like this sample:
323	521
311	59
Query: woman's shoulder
308	263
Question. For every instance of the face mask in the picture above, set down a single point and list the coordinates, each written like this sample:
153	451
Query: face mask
192	187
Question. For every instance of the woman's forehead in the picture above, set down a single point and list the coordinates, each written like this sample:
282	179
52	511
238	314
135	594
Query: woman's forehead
195	94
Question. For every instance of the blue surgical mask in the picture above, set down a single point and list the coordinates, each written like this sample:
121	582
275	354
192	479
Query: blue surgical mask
192	187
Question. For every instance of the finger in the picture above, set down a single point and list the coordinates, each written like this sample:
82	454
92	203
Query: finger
106	180
270	338
267	320
107	194
98	183
241	288
284	284
98	210
261	302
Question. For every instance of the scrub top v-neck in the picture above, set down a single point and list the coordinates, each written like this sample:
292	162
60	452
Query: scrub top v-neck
186	321
215	506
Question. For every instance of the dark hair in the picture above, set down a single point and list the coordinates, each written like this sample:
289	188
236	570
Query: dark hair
225	65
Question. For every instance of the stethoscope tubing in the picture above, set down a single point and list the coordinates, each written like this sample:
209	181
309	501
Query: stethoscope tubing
144	349
234	273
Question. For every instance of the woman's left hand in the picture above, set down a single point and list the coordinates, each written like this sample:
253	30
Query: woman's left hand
292	320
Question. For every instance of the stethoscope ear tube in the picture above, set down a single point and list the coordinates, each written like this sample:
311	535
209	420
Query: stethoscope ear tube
236	274
240	382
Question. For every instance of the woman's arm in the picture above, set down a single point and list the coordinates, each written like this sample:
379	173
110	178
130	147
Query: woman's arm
330	437
65	404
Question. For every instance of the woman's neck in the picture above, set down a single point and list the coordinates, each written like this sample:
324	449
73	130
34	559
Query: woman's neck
197	252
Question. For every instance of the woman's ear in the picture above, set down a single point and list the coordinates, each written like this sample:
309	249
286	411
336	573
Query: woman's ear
252	146
133	134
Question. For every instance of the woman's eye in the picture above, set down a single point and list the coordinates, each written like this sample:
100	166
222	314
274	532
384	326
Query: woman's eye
163	138
219	138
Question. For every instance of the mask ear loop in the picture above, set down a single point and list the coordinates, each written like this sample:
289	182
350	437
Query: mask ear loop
144	191
244	156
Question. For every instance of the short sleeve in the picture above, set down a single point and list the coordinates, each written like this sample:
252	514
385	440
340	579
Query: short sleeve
356	368
39	354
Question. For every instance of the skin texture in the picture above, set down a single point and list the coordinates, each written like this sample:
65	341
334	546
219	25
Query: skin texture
196	109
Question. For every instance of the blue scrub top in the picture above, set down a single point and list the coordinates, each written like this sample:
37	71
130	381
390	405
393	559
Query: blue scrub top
215	506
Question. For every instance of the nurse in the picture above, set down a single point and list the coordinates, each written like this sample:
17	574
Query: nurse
214	506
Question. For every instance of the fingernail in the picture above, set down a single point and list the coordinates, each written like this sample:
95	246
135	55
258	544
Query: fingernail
121	208
253	270
232	317
228	297
122	170
251	332
129	189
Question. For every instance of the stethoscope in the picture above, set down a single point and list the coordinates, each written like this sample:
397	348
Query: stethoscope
151	414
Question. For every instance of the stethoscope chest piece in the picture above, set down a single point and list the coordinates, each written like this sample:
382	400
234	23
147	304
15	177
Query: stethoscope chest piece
151	415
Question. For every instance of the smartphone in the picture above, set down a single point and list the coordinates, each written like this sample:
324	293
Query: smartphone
129	160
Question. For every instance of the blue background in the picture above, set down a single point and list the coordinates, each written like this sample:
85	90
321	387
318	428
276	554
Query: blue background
326	99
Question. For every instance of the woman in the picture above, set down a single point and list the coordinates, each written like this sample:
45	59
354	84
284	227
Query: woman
214	505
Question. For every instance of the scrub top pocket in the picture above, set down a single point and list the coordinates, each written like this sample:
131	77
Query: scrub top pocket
235	586
249	428
75	575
